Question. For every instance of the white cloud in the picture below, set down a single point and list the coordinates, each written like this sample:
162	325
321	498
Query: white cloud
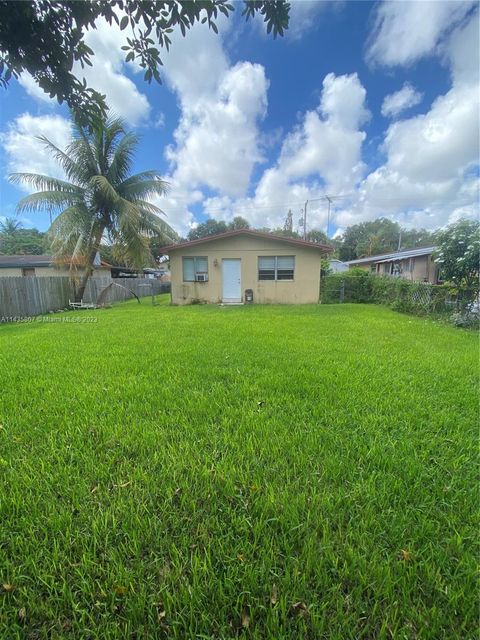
25	152
401	100
304	15
217	140
122	95
323	153
428	178
404	32
328	143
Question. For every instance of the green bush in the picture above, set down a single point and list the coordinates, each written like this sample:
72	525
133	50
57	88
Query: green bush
354	285
418	298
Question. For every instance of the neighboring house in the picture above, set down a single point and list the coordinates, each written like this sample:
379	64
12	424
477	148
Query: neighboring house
17	266
245	265
412	264
147	272
337	266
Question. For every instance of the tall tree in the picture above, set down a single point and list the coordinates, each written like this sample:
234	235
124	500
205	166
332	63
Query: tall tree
315	235
458	254
99	199
369	238
208	228
238	223
15	240
46	38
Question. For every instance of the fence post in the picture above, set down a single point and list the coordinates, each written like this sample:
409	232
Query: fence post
342	291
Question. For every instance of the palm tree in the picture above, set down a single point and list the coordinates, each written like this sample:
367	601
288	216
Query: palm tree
99	199
10	227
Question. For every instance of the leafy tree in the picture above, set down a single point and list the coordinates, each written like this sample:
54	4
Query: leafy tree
412	238
208	228
369	238
380	236
238	223
458	254
286	233
14	240
46	38
100	199
317	236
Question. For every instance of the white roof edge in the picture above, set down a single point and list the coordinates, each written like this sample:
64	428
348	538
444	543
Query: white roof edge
386	257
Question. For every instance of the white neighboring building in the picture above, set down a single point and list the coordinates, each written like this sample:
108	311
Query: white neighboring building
337	266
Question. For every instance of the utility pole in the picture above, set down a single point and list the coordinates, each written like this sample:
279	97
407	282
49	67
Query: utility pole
399	240
328	215
305	221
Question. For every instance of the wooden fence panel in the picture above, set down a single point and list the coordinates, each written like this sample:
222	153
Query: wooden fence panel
32	296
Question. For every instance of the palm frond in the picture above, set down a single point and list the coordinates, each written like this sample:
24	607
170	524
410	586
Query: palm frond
143	189
69	232
47	200
151	224
129	233
114	128
103	191
149	206
83	151
72	169
45	183
122	158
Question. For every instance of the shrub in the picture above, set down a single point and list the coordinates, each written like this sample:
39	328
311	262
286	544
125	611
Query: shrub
351	286
467	319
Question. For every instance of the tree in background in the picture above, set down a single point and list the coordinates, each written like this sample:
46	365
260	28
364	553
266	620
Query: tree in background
458	254
45	38
15	240
208	228
317	236
100	200
238	223
369	238
379	236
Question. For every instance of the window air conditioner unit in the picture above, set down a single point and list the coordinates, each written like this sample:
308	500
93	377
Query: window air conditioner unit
201	277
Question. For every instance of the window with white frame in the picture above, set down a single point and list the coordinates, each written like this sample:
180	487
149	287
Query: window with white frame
276	267
195	269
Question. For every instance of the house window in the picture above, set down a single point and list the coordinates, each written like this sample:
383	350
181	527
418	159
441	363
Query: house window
195	269
276	267
28	271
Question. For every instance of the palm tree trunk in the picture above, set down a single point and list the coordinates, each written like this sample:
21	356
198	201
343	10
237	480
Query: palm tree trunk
79	293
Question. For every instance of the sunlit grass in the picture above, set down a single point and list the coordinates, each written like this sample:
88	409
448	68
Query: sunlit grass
263	472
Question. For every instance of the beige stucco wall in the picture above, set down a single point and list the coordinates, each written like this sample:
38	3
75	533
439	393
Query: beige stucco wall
304	288
424	269
51	271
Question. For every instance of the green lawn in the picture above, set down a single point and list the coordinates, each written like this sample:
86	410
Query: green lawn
255	472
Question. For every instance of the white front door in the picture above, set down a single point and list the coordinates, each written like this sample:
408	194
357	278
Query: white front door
231	276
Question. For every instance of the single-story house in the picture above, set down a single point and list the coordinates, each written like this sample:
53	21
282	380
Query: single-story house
412	264
245	266
18	266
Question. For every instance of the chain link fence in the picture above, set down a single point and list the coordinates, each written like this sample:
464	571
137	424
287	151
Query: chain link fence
420	298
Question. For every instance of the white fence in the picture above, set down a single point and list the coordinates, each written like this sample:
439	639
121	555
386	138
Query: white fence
32	296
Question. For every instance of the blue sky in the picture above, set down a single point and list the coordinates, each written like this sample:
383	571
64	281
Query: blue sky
374	103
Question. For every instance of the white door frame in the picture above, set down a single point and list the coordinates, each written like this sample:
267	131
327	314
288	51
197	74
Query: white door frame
232	288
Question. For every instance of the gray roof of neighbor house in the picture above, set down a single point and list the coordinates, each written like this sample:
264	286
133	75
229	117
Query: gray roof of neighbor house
396	255
324	248
9	262
25	261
